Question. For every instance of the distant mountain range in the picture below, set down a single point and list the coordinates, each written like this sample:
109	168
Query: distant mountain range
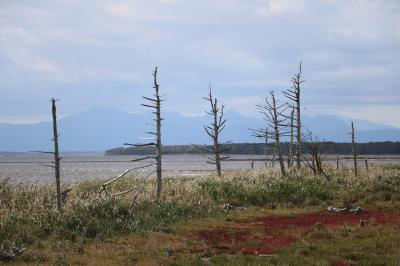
99	129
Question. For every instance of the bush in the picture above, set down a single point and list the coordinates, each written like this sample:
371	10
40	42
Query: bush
284	190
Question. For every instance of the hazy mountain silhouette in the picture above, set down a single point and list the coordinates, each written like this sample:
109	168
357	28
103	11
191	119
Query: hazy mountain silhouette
98	129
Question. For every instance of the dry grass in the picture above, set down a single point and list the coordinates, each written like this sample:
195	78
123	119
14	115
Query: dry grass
28	212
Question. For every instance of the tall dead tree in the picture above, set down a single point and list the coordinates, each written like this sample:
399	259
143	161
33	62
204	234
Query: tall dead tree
154	104
354	149
293	95
262	133
290	156
273	114
57	157
213	131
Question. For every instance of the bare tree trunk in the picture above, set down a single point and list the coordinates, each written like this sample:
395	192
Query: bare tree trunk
298	109
294	95
158	134
214	129
314	148
154	103
366	165
273	156
277	134
354	148
337	163
290	157
216	137
266	148
57	157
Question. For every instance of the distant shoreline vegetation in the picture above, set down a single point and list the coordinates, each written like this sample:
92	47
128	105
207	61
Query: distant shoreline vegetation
376	148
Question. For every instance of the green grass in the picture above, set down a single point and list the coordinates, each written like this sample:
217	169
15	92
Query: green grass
28	212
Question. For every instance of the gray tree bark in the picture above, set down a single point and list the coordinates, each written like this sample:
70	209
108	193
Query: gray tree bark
57	157
353	142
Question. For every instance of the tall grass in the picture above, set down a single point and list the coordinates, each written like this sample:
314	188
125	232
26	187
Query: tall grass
27	212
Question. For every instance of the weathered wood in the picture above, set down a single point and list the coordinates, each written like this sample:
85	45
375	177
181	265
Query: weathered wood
10	251
294	95
272	112
108	183
277	133
314	149
290	157
57	158
354	149
214	130
337	163
155	104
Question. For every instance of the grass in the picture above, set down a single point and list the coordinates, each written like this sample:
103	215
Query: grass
108	229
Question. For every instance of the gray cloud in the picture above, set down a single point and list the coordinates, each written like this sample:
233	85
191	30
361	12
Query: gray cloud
102	53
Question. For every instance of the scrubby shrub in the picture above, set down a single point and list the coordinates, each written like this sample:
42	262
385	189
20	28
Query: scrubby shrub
283	190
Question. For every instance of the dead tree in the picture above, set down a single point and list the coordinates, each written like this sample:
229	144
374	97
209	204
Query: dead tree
354	149
57	158
290	155
273	114
293	95
154	104
262	133
213	131
337	163
314	148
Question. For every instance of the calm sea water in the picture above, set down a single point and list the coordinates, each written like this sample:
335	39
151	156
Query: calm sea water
22	169
78	168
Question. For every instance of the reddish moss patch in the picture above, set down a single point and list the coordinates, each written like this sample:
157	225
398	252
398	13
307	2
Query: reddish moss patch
267	234
222	235
327	219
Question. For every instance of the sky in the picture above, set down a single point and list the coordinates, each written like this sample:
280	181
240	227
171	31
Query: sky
102	53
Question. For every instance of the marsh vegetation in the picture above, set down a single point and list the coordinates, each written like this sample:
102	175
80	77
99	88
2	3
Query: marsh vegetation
28	216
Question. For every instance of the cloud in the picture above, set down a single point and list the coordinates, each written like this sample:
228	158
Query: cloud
11	48
104	53
278	7
352	72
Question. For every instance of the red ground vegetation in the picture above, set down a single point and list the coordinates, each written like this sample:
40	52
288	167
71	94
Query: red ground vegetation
264	235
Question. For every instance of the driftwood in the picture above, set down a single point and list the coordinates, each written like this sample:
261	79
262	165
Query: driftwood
115	179
347	207
9	251
229	207
64	194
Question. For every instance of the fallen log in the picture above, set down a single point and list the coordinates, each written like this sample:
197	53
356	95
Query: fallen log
10	251
348	207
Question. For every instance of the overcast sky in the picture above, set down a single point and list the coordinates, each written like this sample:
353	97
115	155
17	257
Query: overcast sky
102	53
